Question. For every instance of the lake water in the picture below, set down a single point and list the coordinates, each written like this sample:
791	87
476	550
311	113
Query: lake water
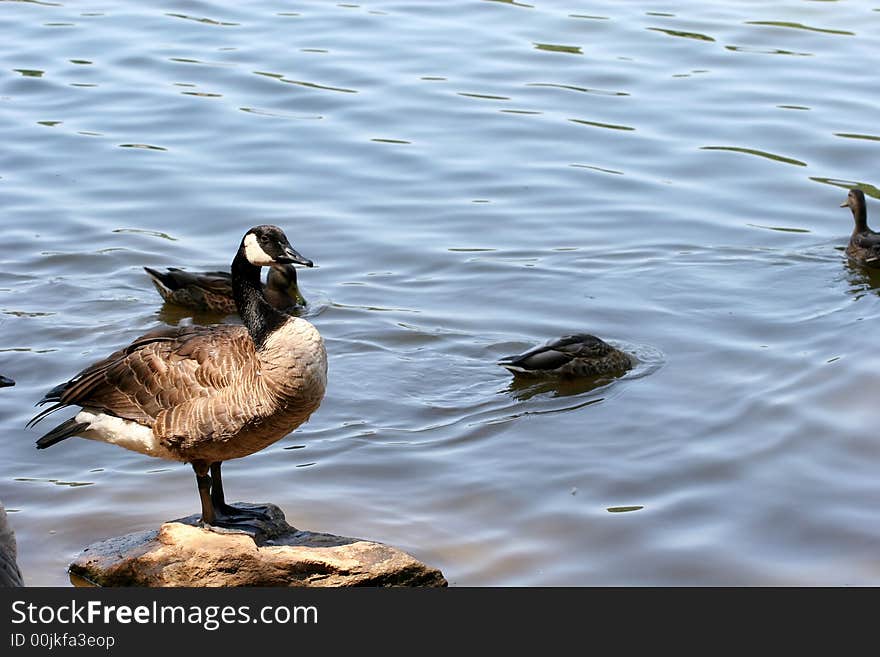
470	178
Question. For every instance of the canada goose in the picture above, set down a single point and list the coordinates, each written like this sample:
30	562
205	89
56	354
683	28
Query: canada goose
570	356
864	244
10	574
212	290
5	382
205	394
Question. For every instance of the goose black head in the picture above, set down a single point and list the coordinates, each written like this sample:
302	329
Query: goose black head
267	245
6	381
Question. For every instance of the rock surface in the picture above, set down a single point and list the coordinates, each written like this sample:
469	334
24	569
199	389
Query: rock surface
180	553
10	575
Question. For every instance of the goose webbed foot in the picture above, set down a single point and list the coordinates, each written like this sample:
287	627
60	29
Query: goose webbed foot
221	517
223	525
228	513
233	513
254	521
233	520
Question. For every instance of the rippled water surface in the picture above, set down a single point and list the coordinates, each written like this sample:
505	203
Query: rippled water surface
470	178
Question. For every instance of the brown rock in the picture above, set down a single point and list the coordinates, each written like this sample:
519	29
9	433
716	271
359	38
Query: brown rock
181	554
10	575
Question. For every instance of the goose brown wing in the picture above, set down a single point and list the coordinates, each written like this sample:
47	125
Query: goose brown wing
158	372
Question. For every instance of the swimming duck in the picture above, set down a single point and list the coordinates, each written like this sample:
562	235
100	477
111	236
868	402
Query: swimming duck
864	244
5	382
212	290
570	356
205	394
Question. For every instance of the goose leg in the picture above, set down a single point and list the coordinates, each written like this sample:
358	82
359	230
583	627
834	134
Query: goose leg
203	481
216	514
219	500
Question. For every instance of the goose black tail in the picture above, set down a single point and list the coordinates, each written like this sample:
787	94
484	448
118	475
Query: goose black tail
64	430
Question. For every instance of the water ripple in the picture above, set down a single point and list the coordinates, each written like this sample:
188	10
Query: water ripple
853	135
555	176
45	3
768	51
323	87
208	21
149	147
753	151
682	34
556	47
597	124
513	3
482	96
570	87
799	26
867	188
278	114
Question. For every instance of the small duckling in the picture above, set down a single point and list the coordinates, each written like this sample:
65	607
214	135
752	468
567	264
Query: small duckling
211	291
864	244
570	356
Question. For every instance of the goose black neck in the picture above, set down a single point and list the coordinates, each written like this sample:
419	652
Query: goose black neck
259	317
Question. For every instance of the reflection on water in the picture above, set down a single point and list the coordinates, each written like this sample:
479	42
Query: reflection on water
472	177
208	21
555	47
862	280
867	188
753	151
585	90
56	482
679	33
598	124
522	388
782	229
768	51
799	26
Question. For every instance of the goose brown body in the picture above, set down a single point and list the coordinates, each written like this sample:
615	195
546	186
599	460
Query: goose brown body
205	393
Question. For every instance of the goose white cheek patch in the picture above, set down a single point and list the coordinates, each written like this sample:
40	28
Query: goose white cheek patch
254	252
